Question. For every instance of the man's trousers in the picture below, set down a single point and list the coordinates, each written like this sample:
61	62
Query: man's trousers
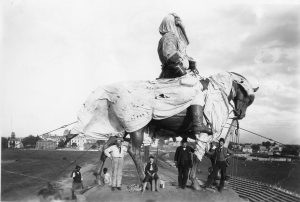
117	168
183	172
217	166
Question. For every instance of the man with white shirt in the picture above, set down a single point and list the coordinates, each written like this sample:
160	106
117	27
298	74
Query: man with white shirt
116	154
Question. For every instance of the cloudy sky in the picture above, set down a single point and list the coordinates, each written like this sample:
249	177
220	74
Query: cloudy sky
54	53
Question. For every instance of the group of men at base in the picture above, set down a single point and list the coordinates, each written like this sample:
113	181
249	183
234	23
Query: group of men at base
218	157
182	159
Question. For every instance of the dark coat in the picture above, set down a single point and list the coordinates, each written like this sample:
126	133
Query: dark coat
77	177
224	153
147	169
184	160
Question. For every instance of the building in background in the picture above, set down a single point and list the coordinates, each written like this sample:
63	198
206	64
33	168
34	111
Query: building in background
84	142
46	144
262	149
276	149
51	137
78	142
48	141
14	142
247	149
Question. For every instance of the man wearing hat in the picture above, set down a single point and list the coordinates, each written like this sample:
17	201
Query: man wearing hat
221	154
77	180
183	161
151	173
116	154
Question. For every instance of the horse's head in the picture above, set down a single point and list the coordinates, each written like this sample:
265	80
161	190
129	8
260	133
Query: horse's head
243	95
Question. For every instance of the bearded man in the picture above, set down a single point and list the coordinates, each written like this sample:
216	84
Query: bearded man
176	63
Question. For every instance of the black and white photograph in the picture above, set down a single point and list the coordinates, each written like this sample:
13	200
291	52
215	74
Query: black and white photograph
150	101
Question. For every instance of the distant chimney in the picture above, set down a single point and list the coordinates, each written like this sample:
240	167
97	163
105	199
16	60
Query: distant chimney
13	135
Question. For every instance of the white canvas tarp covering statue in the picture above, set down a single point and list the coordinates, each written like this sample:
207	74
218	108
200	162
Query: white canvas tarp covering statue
129	106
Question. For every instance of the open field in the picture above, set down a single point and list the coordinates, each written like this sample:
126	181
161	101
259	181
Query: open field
41	166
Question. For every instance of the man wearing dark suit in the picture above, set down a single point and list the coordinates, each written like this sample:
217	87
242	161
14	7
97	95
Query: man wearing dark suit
220	155
183	161
151	173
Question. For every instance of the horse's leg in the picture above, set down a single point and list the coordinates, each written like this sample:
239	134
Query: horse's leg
193	173
135	151
202	143
103	157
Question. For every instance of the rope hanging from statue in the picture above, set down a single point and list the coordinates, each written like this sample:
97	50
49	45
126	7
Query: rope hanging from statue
257	134
63	126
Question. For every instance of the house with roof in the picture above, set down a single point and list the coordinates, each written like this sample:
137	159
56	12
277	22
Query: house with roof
276	149
83	142
14	142
262	149
51	137
46	144
247	149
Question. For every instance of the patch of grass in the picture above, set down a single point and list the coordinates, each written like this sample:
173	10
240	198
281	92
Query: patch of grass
48	165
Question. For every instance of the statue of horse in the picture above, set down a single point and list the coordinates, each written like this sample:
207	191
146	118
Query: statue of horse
131	108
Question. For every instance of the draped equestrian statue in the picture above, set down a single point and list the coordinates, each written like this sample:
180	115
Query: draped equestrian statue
127	109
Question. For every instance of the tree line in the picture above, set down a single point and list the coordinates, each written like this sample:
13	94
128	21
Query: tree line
28	142
286	149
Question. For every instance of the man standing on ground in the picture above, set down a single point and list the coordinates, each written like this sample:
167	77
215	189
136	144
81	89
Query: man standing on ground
116	154
183	161
221	154
77	181
211	155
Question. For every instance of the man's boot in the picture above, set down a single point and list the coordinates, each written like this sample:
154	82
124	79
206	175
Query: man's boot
197	120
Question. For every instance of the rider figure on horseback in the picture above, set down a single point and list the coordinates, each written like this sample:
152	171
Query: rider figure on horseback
176	63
